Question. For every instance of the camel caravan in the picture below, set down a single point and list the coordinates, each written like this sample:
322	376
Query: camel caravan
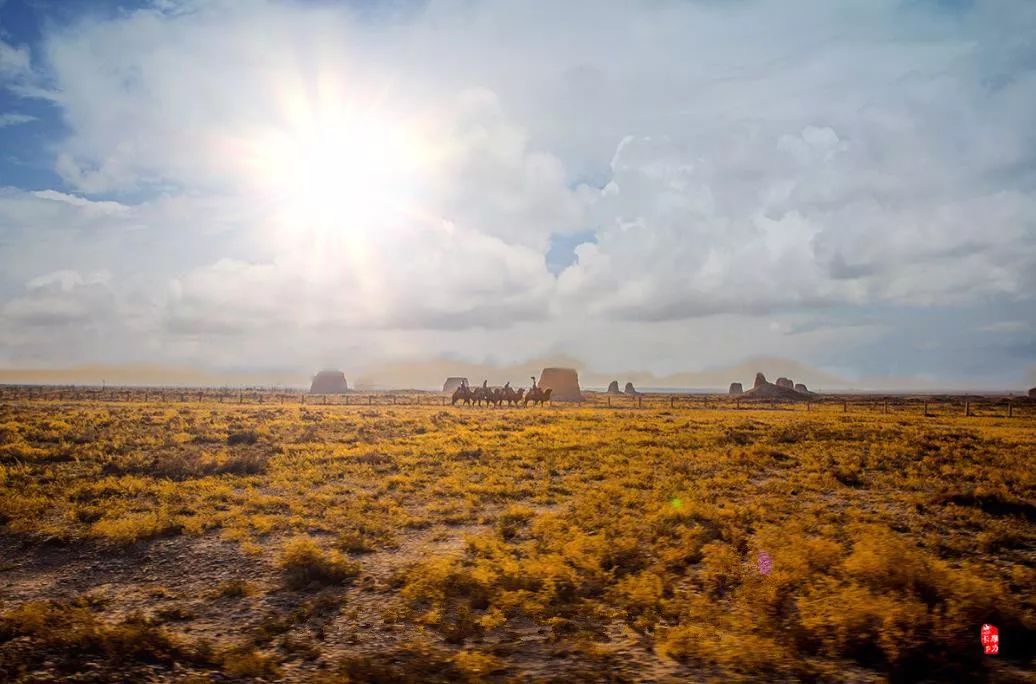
497	396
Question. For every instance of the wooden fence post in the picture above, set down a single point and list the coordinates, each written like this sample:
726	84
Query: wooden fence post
672	402
609	402
738	403
967	408
370	400
845	406
885	408
640	402
773	403
926	407
1010	408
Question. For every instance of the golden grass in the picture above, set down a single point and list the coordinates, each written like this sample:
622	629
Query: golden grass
892	538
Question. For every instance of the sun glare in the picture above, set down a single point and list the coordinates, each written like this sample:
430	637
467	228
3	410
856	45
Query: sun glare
348	174
335	172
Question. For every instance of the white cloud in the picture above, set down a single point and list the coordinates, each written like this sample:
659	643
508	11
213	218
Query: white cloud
756	158
14	61
90	206
61	298
14	119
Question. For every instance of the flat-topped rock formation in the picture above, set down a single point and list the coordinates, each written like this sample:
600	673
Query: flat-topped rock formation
799	387
452	383
1032	393
563	381
613	387
329	382
735	389
785	382
630	389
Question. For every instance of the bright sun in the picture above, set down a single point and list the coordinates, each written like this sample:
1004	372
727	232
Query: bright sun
335	172
347	174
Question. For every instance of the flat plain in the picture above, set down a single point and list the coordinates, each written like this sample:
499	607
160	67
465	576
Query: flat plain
150	539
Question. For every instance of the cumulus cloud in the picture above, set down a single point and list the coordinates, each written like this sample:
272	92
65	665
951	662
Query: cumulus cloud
737	165
60	298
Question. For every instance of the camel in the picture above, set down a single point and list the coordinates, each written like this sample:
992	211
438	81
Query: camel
462	393
538	396
502	394
482	393
492	396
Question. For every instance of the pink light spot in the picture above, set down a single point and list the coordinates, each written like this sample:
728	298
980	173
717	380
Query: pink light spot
765	563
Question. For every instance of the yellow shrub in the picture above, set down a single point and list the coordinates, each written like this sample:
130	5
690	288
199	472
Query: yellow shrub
304	562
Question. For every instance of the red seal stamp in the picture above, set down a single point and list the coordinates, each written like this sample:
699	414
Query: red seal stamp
990	637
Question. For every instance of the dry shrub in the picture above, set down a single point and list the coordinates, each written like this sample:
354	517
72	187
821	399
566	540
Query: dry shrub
246	662
131	527
188	464
513	520
242	437
70	630
305	563
414	665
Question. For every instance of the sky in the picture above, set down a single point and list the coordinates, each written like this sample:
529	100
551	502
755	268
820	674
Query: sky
659	185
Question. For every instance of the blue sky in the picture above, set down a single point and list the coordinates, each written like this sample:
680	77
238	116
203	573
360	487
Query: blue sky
667	185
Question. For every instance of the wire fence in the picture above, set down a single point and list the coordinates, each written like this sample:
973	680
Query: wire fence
942	405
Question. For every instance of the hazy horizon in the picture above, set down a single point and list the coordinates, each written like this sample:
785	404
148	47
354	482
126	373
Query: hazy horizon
662	189
429	375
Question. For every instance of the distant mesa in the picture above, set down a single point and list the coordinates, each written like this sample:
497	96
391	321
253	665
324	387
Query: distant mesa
784	388
630	389
563	381
452	383
329	382
613	387
1032	393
